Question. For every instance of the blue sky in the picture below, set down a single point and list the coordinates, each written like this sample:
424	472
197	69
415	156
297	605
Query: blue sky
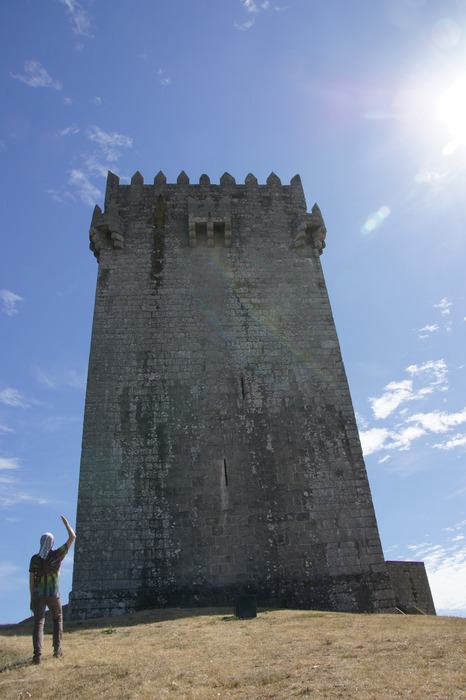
366	101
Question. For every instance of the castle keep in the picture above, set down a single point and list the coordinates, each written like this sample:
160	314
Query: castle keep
220	452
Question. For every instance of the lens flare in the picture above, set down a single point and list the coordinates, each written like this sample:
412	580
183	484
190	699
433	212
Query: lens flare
375	220
446	33
452	109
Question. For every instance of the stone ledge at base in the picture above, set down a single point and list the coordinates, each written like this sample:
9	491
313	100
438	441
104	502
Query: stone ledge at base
369	593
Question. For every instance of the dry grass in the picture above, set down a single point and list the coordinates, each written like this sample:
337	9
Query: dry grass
196	654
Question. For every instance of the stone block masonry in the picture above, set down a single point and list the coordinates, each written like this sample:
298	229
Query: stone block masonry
220	452
411	587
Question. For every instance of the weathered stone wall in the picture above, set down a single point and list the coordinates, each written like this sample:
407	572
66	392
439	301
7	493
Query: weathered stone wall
411	587
220	451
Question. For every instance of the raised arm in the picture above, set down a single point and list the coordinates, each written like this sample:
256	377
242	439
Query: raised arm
71	533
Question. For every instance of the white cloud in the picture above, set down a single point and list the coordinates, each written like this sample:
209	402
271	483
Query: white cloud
403	439
107	152
9	463
108	140
109	145
9	301
446	569
252	7
444	306
378	439
35	75
11	491
9	496
397	393
5	429
58	196
436	369
79	18
69	130
373	440
456	441
244	26
96	164
400	437
438	421
427	331
88	192
163	79
12	397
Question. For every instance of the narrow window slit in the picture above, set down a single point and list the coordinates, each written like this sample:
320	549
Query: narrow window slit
242	388
225	471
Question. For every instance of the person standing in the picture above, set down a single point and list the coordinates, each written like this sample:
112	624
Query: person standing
44	573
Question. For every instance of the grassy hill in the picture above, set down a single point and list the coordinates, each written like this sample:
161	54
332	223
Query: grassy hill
208	653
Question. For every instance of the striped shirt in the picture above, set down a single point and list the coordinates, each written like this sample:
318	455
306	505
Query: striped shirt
47	572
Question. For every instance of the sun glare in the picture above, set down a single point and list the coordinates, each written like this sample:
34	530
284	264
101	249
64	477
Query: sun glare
452	109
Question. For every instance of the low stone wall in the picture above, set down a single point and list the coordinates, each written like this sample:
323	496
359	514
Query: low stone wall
411	587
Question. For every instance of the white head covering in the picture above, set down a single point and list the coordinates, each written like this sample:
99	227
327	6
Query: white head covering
46	544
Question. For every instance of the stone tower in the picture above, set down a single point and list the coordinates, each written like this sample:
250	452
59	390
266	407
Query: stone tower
220	452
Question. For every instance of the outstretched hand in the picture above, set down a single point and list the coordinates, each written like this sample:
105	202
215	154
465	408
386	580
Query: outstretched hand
71	533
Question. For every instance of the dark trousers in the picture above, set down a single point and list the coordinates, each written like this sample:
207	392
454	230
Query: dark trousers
38	605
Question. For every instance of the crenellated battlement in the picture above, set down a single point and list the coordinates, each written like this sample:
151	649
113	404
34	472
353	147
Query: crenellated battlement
205	211
227	185
226	180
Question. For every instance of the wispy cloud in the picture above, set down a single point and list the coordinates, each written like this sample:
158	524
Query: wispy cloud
12	492
446	567
86	190
9	301
60	196
446	325
69	130
426	331
109	142
444	306
164	79
12	397
435	372
107	150
35	75
451	444
61	378
9	463
5	429
252	8
79	17
57	424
